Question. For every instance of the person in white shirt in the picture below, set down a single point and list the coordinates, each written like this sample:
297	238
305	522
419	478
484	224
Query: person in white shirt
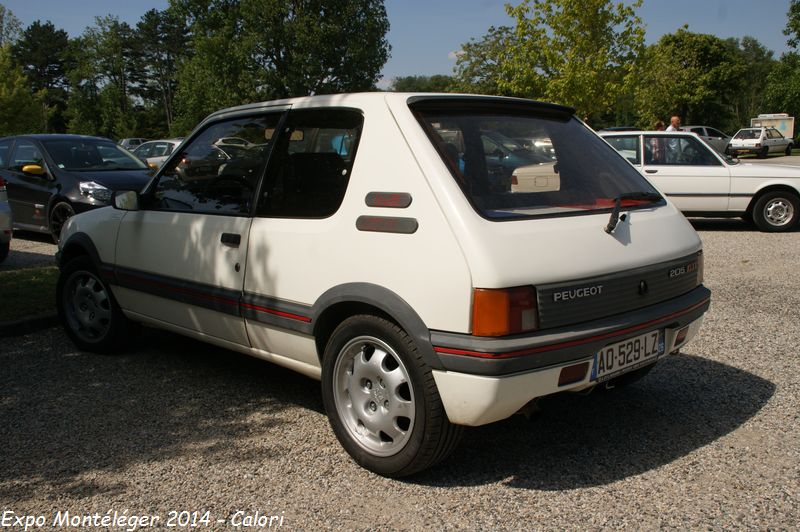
674	123
673	144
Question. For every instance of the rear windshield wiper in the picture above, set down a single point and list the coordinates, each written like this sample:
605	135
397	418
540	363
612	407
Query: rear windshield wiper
640	195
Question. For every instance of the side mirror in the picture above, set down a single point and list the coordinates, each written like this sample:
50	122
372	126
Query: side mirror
126	200
33	169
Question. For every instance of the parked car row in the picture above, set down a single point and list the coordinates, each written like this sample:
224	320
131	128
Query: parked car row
759	141
702	182
49	178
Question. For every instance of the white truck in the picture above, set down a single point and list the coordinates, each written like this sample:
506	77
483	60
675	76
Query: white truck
780	121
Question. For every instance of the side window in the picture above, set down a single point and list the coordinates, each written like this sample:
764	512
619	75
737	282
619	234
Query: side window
143	150
5	148
26	153
684	151
715	133
311	164
628	147
159	149
698	131
211	176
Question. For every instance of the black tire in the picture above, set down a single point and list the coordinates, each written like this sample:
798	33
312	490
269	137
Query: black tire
421	435
776	212
59	214
89	313
788	149
4	250
762	154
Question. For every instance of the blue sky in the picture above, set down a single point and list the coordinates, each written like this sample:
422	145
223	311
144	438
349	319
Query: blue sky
425	33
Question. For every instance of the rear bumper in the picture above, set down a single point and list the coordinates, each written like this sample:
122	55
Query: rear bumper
502	356
474	400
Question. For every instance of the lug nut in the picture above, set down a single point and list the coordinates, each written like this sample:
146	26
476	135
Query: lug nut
373	406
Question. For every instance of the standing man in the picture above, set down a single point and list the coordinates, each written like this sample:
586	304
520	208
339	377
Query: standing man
674	123
673	144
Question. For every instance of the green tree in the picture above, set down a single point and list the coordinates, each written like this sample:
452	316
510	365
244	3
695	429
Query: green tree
783	84
19	109
757	62
436	83
9	26
41	50
574	52
315	46
481	64
105	79
692	74
163	39
263	49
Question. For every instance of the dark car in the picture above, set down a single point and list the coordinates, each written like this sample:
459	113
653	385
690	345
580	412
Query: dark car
51	177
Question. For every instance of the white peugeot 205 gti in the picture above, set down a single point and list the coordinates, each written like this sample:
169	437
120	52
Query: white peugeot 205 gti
373	242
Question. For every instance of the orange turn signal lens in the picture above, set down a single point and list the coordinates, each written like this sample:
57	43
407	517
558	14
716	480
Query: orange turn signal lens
504	311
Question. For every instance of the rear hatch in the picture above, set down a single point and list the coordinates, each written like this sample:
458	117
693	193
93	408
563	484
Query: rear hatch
578	224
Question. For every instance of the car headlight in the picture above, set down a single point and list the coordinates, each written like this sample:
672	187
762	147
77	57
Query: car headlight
95	191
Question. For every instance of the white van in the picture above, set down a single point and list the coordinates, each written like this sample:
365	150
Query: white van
353	241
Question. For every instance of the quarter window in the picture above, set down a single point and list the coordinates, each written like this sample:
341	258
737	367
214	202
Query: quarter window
311	164
210	175
26	153
5	147
628	147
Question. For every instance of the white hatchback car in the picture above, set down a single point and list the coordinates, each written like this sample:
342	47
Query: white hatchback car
156	152
760	141
702	182
360	247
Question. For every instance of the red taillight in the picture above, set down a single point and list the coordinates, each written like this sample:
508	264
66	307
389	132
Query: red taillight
2	184
514	180
500	312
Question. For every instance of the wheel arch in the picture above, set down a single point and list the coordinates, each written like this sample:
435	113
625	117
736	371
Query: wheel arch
79	244
343	301
773	187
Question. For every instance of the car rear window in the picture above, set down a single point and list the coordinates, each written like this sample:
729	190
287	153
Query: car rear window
748	134
521	161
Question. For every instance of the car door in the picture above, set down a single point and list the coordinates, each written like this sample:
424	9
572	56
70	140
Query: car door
688	171
29	193
180	259
717	139
295	223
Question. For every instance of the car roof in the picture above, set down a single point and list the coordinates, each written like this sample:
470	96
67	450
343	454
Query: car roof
58	136
363	98
647	133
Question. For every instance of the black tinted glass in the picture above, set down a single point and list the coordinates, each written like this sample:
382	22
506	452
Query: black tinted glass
311	164
213	175
521	164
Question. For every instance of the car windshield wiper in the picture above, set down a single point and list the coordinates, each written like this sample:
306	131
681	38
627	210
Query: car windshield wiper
639	195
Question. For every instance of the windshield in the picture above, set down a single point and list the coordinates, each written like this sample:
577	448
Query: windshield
79	155
748	134
577	173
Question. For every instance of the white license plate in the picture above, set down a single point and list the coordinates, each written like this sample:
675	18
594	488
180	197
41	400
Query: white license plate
628	355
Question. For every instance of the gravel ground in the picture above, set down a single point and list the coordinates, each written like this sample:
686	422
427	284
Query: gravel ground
709	440
29	250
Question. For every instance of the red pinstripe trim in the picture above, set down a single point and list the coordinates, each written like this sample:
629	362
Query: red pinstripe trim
571	343
282	314
171	288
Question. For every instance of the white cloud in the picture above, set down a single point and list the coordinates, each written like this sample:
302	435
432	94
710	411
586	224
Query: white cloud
455	55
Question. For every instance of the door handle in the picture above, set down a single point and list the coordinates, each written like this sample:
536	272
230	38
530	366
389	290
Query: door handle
651	171
231	239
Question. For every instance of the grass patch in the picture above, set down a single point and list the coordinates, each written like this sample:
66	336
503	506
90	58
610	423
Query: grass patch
27	293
